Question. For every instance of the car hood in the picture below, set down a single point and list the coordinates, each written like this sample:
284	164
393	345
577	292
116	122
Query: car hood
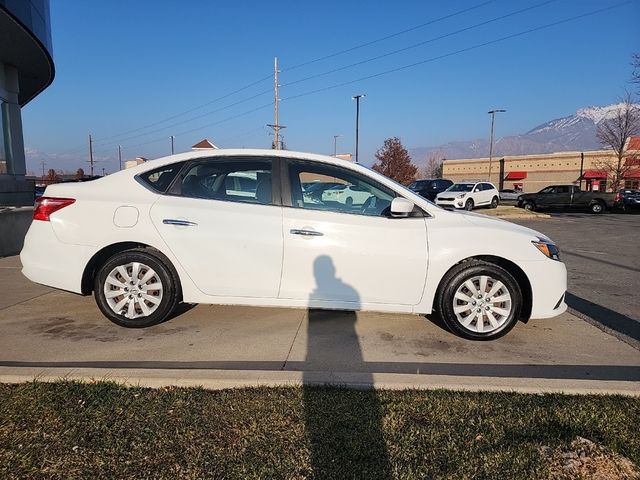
493	223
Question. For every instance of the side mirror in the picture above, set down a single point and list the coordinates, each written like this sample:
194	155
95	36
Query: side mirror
401	207
477	189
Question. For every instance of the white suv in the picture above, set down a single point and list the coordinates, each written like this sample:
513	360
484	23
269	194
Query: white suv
469	195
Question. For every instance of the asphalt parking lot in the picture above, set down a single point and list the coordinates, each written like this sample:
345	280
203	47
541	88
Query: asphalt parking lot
53	334
602	255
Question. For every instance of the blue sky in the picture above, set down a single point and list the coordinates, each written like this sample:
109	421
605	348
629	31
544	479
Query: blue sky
122	66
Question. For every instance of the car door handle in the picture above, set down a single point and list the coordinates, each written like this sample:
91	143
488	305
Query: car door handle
305	233
180	223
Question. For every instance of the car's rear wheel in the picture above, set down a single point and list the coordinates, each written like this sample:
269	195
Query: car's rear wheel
136	289
469	205
596	207
495	202
348	202
479	300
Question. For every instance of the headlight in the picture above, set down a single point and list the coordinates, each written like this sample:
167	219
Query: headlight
548	248
461	195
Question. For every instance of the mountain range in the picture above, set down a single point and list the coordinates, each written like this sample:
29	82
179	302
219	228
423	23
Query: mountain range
572	133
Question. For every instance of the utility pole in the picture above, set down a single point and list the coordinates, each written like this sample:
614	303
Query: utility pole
277	144
172	137
91	154
357	99
120	155
493	116
335	144
103	171
43	164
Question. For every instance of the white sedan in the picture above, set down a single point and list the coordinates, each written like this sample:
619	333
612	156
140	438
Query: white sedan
176	230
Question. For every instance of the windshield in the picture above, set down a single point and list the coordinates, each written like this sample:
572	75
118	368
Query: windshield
419	184
461	187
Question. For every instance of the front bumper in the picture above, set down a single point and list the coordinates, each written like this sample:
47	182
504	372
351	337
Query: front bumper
548	280
450	202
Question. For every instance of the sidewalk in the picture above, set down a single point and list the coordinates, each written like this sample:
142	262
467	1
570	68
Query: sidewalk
50	334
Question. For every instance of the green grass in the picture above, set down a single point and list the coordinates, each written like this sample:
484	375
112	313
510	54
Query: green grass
102	430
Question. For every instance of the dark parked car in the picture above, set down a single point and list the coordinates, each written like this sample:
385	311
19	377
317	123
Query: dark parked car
566	197
429	188
627	199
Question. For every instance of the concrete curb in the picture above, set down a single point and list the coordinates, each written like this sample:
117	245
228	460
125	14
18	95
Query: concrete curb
225	379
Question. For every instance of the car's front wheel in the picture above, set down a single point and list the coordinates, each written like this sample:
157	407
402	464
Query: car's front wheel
469	205
479	300
495	202
529	206
136	289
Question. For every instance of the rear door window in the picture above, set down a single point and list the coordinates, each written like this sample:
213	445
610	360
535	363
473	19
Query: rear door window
234	180
160	178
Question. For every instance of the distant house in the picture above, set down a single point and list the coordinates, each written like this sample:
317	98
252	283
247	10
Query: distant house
204	145
135	162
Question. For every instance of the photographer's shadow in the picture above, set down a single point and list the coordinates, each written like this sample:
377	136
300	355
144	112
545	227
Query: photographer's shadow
345	429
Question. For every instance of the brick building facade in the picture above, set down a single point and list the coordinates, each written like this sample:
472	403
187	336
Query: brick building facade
531	173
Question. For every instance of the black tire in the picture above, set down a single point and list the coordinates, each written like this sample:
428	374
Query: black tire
468	206
596	207
495	202
349	202
164	274
456	277
529	206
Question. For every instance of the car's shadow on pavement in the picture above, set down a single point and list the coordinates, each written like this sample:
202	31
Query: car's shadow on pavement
604	316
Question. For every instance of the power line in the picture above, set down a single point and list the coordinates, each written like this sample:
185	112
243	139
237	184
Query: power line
270	104
100	144
144	127
456	52
387	37
415	45
172	125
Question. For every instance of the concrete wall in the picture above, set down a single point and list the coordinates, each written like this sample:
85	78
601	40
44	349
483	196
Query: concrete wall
14	223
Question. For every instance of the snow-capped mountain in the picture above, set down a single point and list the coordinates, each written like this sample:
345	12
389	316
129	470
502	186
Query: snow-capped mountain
573	133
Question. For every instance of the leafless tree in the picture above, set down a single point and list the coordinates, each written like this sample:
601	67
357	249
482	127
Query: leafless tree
613	133
52	176
635	74
80	174
433	167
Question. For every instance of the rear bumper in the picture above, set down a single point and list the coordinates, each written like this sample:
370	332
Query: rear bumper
48	261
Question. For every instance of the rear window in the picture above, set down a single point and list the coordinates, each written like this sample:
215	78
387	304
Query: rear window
159	179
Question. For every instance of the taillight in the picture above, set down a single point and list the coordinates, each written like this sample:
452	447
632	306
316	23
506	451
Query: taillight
618	197
45	206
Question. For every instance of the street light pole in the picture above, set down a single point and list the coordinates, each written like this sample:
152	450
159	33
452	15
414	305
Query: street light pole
335	144
120	155
493	117
172	137
357	99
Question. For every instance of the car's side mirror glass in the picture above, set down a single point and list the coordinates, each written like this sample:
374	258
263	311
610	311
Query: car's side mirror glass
401	207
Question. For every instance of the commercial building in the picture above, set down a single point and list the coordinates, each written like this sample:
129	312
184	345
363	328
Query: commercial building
531	173
26	69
